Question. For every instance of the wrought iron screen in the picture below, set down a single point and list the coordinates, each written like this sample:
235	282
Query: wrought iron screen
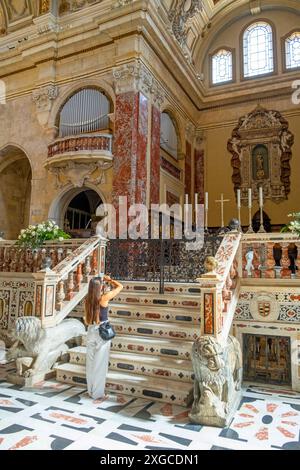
158	260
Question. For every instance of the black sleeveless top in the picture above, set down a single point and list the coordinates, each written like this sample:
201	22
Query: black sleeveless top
103	313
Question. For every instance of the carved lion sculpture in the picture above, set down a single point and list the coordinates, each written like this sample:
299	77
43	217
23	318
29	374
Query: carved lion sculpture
42	346
218	378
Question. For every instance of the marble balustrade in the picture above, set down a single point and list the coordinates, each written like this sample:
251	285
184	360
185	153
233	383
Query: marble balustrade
275	256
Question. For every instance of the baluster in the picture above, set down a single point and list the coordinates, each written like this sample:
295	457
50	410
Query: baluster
35	261
262	252
60	296
87	269
95	262
270	262
13	261
22	261
53	256
78	277
29	261
59	255
285	263
70	286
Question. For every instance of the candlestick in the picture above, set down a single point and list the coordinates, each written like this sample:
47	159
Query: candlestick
250	228
238	194
261	199
206	201
206	211
250	198
261	206
239	207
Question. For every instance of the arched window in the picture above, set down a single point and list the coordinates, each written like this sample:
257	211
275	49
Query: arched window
221	64
258	49
292	51
85	112
168	135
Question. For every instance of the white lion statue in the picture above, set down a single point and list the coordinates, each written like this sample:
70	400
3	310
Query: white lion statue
218	378
36	349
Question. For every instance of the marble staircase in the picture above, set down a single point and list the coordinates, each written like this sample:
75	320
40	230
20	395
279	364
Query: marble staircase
151	353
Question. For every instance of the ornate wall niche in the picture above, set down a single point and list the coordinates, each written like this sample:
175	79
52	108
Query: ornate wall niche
261	148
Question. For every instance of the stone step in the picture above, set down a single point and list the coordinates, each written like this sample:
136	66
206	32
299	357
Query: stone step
155	329
149	313
159	300
163	390
170	288
153	346
154	366
179	316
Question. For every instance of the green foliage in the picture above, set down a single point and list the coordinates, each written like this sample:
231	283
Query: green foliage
294	225
35	235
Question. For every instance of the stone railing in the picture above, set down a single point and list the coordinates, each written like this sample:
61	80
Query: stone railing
220	289
50	294
270	256
82	143
16	260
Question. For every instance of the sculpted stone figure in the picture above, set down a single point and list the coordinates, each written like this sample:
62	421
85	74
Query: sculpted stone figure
210	266
218	378
37	349
249	265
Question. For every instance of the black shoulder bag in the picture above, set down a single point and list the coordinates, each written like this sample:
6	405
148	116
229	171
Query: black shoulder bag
106	331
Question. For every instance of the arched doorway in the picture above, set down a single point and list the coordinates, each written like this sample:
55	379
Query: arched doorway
75	211
15	191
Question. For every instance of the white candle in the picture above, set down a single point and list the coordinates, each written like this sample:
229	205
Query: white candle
249	197
196	199
186	199
206	201
239	198
261	197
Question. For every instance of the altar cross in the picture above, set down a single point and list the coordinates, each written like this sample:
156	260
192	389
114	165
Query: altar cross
222	201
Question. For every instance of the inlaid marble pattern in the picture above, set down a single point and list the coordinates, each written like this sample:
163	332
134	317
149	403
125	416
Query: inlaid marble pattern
58	416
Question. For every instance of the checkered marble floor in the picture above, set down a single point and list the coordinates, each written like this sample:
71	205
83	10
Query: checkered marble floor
58	416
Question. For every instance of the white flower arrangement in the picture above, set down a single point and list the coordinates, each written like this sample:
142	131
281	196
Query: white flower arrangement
294	225
35	235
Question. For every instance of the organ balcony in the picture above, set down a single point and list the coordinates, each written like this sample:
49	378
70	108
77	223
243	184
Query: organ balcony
78	158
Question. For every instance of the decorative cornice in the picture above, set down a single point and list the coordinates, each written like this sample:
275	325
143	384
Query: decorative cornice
121	3
134	76
179	17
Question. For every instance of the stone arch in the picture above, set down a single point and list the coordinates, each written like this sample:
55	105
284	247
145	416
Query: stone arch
62	201
177	121
99	84
15	190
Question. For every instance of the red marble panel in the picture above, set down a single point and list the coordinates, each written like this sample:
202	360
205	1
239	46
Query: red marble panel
141	152
125	144
155	156
188	169
199	174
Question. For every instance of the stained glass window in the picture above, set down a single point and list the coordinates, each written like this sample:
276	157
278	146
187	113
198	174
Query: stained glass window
292	51
222	67
258	49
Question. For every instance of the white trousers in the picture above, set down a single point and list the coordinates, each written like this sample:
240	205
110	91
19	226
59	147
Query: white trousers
97	355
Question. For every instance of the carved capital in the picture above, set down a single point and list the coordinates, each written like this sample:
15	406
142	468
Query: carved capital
135	76
190	132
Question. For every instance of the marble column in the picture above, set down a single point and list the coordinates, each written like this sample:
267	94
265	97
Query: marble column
137	133
155	155
199	168
188	170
